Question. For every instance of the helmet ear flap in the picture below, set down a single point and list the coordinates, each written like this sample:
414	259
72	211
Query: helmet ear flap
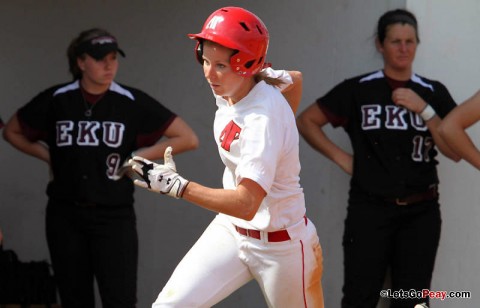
199	51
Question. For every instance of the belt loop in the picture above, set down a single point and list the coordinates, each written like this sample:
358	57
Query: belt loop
264	237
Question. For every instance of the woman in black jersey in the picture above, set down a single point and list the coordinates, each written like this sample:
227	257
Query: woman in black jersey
85	129
391	117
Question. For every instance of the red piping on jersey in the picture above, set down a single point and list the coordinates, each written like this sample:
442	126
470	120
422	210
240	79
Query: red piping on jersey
303	276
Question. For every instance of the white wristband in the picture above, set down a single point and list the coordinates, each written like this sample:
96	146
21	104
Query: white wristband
428	113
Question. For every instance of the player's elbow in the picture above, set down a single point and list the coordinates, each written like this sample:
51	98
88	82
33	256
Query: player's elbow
186	143
300	123
193	142
248	215
246	211
303	125
297	77
443	130
452	156
4	135
456	159
447	135
448	151
8	135
251	213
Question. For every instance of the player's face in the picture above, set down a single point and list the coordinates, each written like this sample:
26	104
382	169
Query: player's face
219	74
98	74
399	47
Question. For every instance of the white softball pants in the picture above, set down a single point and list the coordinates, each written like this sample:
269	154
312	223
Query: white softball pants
221	261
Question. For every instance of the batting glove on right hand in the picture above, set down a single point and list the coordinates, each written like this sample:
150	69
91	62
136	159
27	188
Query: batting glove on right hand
159	178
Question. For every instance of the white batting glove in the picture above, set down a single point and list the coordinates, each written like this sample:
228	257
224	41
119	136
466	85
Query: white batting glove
124	170
159	178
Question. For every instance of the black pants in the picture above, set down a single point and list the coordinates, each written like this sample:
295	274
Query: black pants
93	242
379	235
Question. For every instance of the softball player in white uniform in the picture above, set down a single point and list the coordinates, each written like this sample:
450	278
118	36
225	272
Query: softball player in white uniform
261	231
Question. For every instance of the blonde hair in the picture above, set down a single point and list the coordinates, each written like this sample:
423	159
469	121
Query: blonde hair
268	80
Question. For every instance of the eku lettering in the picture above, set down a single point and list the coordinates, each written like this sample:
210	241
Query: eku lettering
87	133
395	118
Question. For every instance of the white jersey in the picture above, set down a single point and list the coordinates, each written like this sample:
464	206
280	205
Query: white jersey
257	139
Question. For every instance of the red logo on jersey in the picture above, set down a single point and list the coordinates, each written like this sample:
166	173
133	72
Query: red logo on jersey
230	133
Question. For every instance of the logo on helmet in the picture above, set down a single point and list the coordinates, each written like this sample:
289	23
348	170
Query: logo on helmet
212	24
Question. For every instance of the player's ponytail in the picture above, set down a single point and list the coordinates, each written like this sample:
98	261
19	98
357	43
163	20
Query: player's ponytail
273	81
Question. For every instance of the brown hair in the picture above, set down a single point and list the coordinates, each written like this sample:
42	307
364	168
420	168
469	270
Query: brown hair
72	53
398	16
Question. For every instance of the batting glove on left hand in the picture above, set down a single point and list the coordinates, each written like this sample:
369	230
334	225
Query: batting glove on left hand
159	178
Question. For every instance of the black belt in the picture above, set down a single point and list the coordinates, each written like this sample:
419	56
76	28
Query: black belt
430	194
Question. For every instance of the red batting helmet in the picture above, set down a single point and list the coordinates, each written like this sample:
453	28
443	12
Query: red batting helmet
238	29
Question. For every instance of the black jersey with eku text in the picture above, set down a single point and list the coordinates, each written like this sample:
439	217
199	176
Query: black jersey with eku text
394	152
86	149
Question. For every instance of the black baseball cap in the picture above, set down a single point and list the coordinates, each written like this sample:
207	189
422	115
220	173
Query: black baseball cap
98	47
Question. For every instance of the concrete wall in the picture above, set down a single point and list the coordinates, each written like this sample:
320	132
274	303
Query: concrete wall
327	40
449	52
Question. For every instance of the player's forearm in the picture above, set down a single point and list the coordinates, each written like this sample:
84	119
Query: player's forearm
340	157
293	93
229	202
458	140
178	135
179	144
35	149
317	139
21	143
445	149
453	128
467	150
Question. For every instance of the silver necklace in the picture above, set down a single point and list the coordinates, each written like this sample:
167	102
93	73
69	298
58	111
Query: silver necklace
88	112
89	106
